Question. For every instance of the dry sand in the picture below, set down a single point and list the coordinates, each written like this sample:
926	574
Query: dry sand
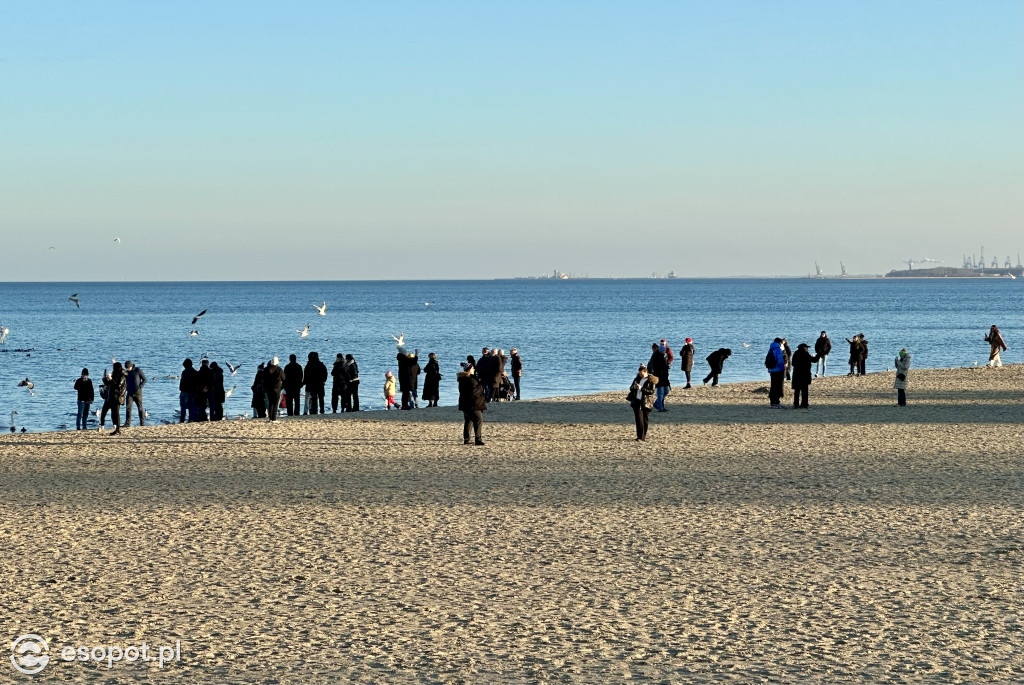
854	542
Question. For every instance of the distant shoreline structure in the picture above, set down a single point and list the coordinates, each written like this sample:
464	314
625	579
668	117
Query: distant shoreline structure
955	272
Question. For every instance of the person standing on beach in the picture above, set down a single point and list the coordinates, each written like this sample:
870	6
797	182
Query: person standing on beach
902	362
517	370
259	397
862	355
315	377
775	361
273	382
802	363
86	395
657	366
432	381
201	397
822	348
471	403
996	345
186	390
854	354
116	393
217	394
414	377
486	371
135	380
389	391
293	382
353	383
686	361
641	398
716	360
339	383
787	355
405	377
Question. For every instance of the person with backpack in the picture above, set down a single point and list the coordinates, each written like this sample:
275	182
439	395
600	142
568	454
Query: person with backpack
657	366
822	348
86	395
716	360
775	362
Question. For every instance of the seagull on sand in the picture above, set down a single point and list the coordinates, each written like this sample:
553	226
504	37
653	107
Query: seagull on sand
28	385
3	333
233	369
321	310
304	333
193	333
197	317
74	298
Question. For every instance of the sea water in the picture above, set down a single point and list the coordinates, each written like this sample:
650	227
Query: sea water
574	336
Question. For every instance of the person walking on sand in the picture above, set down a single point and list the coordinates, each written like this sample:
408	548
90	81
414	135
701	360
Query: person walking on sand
432	381
902	362
217	393
339	383
471	403
273	382
854	354
315	378
996	345
686	361
135	380
517	370
775	362
116	393
259	397
716	360
186	391
389	391
802	364
641	398
822	348
353	383
657	366
293	382
86	395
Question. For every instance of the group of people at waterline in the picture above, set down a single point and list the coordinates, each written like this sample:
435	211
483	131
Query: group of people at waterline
496	375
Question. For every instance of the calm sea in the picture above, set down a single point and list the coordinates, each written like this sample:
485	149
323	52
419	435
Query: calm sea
574	336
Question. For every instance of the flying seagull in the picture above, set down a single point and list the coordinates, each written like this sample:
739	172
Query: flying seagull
74	298
322	309
197	317
233	369
28	385
304	333
228	393
193	333
117	240
51	248
3	333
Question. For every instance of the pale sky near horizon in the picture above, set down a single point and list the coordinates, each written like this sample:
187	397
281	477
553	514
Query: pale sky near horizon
323	140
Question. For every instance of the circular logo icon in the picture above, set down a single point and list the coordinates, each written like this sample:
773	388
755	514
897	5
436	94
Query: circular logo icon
29	654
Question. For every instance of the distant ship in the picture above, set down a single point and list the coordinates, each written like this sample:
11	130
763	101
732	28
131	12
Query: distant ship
671	274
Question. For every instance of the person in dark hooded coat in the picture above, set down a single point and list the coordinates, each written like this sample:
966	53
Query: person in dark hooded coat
339	383
432	381
293	382
803	361
259	397
315	377
716	360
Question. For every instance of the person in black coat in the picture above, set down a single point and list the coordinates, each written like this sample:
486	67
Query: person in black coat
471	403
854	354
686	360
294	379
407	363
86	395
862	356
217	393
787	358
315	378
186	391
273	382
641	398
822	348
517	370
259	397
716	360
657	366
117	390
353	383
802	363
485	370
339	383
204	382
432	382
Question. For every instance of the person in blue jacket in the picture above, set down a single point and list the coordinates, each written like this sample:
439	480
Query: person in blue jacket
775	362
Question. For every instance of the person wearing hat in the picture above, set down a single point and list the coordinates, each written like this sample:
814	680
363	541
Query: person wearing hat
802	362
273	381
472	403
389	390
902	370
517	369
641	399
686	360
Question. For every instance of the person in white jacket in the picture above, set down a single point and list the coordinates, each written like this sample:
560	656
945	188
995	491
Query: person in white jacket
902	370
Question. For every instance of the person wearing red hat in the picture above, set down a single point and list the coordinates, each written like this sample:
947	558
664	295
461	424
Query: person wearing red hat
686	357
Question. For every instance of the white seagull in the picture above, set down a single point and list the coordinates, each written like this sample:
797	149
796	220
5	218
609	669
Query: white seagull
228	393
304	333
322	309
193	333
197	317
74	298
3	333
746	344
426	304
117	240
233	369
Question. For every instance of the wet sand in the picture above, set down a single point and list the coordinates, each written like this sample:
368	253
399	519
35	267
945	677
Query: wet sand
852	542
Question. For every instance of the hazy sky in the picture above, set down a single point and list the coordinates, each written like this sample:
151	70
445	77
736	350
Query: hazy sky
340	140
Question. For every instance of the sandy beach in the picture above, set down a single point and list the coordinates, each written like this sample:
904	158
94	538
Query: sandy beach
852	542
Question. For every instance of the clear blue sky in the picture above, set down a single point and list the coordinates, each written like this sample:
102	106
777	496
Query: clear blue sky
336	140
